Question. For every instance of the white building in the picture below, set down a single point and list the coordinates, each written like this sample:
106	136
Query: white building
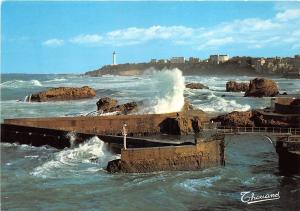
162	61
217	59
176	60
114	58
194	60
153	61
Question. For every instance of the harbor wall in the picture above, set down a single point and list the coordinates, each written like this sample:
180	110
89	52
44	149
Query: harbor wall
188	157
288	150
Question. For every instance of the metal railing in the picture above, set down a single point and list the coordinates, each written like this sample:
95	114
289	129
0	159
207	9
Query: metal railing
264	130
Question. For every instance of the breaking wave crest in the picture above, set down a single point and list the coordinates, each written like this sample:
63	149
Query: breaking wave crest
219	104
92	155
57	80
20	83
169	86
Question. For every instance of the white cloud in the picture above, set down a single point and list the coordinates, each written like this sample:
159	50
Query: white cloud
86	39
215	43
289	14
53	42
249	33
133	35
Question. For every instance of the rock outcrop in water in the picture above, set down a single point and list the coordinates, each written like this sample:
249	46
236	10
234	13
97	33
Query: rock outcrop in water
261	87
126	108
107	104
196	86
255	118
184	123
236	119
233	86
63	93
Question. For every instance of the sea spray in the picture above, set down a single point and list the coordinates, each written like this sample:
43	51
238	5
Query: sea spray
169	86
72	138
26	98
89	156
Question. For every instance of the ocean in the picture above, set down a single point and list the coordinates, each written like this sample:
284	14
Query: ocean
44	178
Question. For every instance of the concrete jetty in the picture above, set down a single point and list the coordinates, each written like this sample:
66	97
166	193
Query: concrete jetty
143	154
202	155
181	123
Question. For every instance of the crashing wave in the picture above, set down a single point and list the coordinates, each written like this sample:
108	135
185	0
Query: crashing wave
92	152
169	89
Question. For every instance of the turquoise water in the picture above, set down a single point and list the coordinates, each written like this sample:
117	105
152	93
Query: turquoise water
48	179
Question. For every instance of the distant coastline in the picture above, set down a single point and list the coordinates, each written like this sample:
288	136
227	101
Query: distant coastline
288	67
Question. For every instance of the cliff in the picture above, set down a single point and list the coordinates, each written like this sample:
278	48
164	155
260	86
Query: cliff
205	68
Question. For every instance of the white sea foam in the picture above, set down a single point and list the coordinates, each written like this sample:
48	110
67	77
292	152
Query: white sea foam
12	83
194	185
219	104
20	83
92	151
36	83
57	80
169	86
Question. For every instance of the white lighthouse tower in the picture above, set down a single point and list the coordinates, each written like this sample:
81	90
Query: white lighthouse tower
114	58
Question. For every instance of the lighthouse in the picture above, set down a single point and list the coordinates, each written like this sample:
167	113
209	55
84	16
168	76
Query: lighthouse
114	58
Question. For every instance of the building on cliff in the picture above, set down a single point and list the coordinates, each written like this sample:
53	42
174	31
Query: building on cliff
194	60
297	61
217	59
153	61
177	60
114	58
162	61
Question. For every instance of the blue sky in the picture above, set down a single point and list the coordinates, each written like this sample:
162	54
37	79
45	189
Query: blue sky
75	37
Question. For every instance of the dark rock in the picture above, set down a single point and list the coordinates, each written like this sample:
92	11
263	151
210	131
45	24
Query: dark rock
295	102
261	121
64	93
233	86
261	87
181	125
114	166
170	126
106	104
187	106
254	118
235	119
196	86
126	108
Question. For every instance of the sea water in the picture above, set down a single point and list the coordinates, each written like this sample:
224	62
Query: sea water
45	178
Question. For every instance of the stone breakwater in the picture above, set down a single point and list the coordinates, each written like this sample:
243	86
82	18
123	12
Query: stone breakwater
182	123
177	158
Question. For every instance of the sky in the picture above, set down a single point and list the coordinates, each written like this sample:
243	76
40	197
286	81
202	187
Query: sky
75	37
